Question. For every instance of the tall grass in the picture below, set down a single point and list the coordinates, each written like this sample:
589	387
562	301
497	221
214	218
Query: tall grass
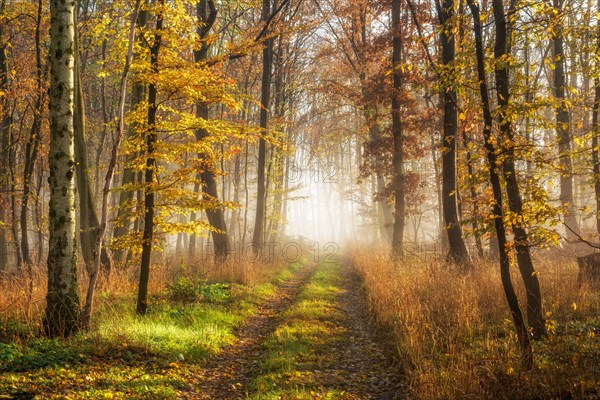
194	310
455	338
22	297
17	301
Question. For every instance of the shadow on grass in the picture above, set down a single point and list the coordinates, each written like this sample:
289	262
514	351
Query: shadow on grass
301	357
98	381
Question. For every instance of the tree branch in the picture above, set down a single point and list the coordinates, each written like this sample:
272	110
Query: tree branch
580	239
259	39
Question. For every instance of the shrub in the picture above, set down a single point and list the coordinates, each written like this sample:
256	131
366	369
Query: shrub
186	290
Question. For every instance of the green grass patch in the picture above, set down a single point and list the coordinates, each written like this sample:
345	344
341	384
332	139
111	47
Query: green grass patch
186	290
304	343
129	356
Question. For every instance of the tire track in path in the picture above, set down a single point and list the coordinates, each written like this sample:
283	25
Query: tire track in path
228	374
368	358
326	346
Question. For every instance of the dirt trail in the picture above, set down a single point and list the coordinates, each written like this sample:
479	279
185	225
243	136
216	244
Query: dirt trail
366	368
371	370
228	374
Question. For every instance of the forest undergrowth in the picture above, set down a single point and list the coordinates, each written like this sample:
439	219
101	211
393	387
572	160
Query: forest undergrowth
454	335
193	313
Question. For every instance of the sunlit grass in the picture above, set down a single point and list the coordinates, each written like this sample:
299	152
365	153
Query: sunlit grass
301	394
126	356
315	308
193	332
302	342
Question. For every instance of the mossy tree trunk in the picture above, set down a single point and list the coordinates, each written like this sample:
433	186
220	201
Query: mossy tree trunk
62	309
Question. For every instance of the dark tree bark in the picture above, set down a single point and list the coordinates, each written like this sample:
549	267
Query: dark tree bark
535	315
265	99
563	131
458	252
494	166
149	195
88	217
397	131
206	14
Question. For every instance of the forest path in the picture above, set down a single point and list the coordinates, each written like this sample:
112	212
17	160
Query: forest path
367	355
314	339
228	374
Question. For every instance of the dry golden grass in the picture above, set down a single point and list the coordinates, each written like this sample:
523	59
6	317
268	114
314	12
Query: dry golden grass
237	269
22	297
455	337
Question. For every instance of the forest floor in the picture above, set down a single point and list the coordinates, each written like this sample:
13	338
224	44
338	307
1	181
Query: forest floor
304	335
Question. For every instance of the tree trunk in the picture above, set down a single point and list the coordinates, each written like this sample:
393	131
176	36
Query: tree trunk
38	214
458	252
277	158
5	122
494	165
149	195
233	222
193	218
105	124
443	237
88	218
222	247
259	220
12	189
62	300
473	193
397	131
129	175
101	229
596	133
246	198
387	222
563	132
31	148
535	315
